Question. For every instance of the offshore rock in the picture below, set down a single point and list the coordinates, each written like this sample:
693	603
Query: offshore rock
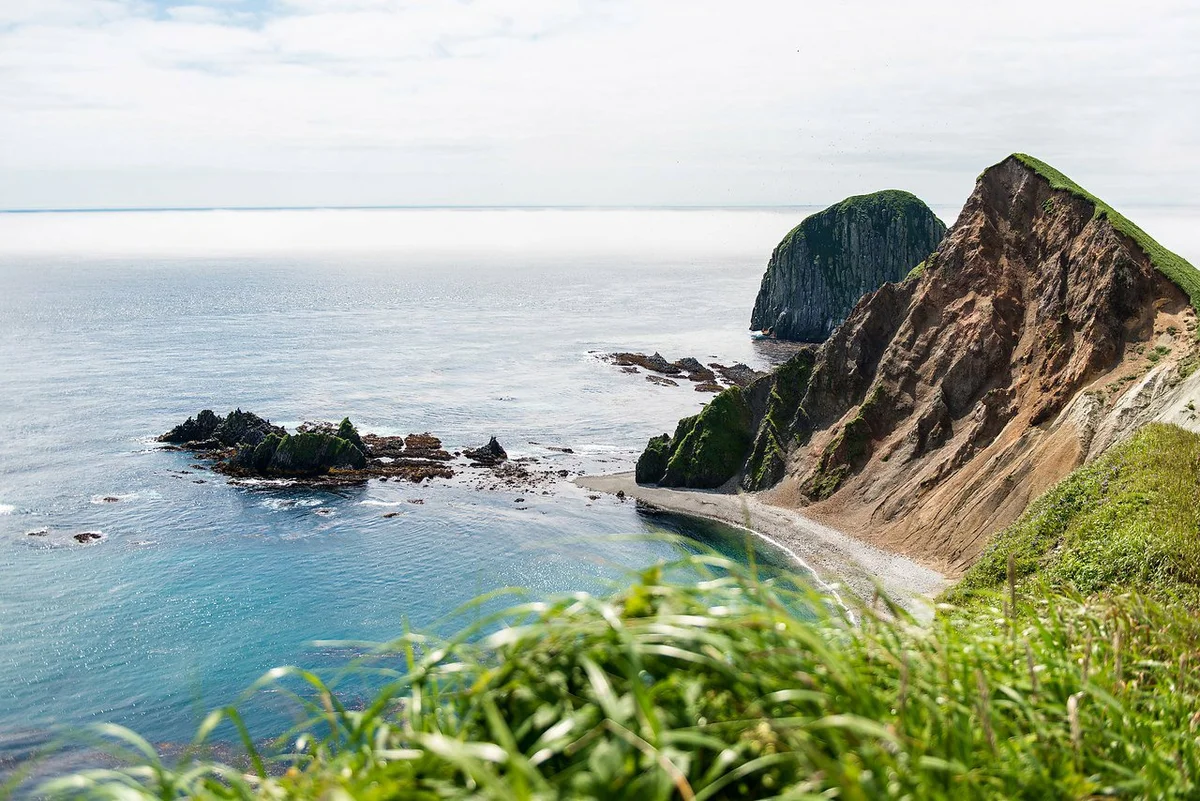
244	428
308	454
831	259
195	429
489	455
208	431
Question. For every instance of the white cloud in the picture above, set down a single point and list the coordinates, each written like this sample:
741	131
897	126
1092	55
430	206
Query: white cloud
585	101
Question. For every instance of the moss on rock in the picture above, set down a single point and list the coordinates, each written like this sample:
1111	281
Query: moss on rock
652	464
711	447
779	425
348	432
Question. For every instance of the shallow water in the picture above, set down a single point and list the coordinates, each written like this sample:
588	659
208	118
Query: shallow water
114	327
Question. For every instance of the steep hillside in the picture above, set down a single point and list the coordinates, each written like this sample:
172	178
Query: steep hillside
1126	521
831	259
945	403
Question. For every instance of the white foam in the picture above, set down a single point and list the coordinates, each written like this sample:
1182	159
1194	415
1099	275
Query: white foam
7	508
373	502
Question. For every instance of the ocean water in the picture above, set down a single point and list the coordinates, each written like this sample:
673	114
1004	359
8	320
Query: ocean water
116	326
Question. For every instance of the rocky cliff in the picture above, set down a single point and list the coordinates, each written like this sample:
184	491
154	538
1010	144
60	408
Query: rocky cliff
830	260
945	403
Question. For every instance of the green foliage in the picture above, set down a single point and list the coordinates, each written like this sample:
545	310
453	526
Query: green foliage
1128	520
731	689
711	447
652	464
1173	266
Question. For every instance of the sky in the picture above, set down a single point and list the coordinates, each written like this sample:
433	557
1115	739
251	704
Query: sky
248	103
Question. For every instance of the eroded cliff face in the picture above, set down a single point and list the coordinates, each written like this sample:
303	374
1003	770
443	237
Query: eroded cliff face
947	402
823	266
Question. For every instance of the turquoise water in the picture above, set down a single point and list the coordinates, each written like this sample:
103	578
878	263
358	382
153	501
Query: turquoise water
198	588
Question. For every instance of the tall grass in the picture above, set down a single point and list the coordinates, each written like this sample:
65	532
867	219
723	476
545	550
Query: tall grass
735	688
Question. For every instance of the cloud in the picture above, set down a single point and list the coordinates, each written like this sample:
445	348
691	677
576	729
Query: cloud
584	101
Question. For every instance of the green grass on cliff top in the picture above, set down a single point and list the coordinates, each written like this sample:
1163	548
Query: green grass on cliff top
895	201
1129	520
1172	265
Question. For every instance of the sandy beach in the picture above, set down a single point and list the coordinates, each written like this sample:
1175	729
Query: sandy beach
840	561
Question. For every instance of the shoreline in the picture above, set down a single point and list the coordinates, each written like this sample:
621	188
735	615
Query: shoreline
839	561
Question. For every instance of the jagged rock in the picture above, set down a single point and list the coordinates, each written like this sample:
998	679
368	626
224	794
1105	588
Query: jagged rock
490	454
425	446
662	382
655	363
695	370
831	259
383	447
87	536
244	428
194	429
708	386
739	375
652	464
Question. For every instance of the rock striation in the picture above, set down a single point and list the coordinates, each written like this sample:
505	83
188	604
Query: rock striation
946	402
831	259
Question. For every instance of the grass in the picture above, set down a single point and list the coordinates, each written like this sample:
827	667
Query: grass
729	689
1128	520
1170	264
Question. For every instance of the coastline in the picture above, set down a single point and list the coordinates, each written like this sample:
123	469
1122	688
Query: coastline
838	560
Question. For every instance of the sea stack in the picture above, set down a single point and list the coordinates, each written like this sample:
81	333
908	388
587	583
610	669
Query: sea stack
831	259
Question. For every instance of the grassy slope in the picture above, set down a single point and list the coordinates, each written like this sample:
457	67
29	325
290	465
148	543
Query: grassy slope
1173	266
1127	520
717	690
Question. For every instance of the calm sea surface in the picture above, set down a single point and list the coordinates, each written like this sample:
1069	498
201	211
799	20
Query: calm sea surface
116	326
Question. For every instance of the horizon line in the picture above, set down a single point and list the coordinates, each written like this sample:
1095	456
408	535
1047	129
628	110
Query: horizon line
431	207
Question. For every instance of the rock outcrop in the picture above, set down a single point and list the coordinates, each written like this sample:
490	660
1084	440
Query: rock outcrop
298	455
245	446
945	403
831	259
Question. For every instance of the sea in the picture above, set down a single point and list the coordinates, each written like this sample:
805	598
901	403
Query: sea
467	323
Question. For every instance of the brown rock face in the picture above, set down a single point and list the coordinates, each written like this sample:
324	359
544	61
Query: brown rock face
934	413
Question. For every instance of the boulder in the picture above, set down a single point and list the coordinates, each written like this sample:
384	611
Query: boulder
489	454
